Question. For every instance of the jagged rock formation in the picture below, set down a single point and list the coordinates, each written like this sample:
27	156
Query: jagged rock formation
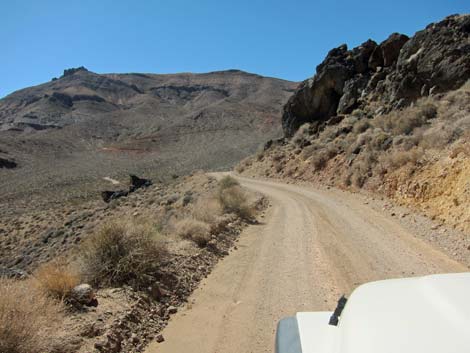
384	76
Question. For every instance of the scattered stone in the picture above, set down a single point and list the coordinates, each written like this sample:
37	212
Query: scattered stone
83	294
172	310
12	273
137	183
107	196
160	338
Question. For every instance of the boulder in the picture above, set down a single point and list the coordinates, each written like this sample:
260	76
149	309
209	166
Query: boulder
352	89
317	98
137	182
83	295
107	196
391	48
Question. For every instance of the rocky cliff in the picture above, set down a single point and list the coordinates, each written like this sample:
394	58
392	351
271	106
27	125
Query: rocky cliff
386	76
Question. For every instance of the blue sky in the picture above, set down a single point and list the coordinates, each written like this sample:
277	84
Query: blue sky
284	39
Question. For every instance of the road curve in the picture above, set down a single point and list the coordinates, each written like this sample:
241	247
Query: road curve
312	246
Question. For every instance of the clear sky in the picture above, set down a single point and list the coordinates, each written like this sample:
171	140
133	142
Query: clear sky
284	39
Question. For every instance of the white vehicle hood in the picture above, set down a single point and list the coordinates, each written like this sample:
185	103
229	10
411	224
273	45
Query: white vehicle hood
428	314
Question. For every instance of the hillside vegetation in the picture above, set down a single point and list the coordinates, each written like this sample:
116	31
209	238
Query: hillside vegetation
410	143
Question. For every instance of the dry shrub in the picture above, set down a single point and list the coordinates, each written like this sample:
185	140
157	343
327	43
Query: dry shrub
240	168
380	142
122	253
27	318
308	151
277	157
360	174
277	167
234	200
57	279
361	126
403	122
243	165
207	210
397	159
437	137
428	110
361	170
227	182
300	137
319	160
194	230
463	148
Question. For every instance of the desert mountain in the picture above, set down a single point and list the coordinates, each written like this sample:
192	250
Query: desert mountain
83	126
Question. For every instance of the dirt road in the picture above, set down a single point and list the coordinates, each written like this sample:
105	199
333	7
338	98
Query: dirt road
311	247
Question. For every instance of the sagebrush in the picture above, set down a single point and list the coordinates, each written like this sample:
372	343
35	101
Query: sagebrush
122	252
195	230
234	200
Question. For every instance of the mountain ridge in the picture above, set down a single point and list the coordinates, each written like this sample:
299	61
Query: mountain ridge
96	124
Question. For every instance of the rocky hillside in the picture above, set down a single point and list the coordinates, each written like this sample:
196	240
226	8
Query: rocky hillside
392	118
60	139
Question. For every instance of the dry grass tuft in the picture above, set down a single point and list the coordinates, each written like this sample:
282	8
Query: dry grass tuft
398	159
122	253
27	317
234	200
194	230
207	210
57	279
227	182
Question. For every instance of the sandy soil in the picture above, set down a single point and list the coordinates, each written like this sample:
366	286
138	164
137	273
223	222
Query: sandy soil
311	247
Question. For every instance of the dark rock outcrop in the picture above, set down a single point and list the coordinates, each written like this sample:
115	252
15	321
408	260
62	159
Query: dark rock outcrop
393	74
73	70
7	163
61	98
135	183
107	196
